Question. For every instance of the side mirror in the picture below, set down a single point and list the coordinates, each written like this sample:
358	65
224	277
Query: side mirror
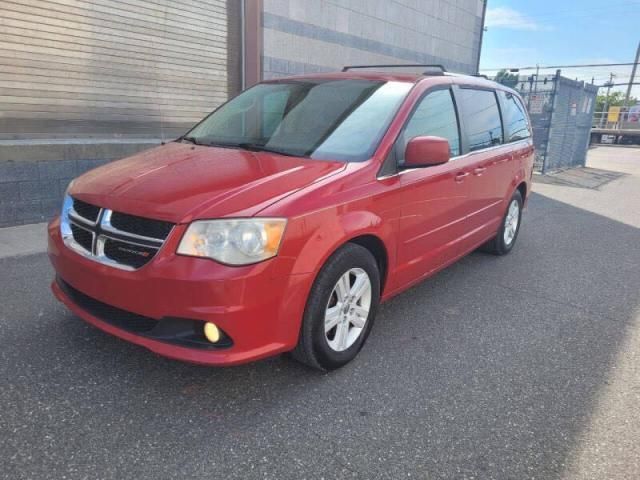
426	151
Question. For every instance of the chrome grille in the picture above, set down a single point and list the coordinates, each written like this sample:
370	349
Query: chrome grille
113	238
82	236
86	210
141	226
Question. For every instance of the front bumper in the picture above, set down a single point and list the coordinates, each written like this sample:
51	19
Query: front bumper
259	307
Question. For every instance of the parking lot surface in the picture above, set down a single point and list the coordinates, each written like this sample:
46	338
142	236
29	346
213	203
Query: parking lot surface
525	366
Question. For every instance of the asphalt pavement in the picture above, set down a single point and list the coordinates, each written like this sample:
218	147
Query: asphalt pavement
525	366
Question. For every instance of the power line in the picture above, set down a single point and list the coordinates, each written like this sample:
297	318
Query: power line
620	84
627	77
541	67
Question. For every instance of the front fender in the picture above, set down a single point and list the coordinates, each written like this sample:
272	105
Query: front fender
321	234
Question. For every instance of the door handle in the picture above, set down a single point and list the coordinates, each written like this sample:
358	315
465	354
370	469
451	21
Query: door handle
460	176
479	171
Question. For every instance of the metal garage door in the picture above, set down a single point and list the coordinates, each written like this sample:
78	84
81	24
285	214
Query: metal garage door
110	67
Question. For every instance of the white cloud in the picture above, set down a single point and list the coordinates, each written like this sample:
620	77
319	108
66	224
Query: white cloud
505	57
505	17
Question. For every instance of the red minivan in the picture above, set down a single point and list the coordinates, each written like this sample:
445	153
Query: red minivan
282	220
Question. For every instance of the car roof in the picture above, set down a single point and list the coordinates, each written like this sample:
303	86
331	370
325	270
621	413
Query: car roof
456	78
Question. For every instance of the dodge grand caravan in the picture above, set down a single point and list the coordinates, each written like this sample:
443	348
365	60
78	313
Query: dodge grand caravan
282	220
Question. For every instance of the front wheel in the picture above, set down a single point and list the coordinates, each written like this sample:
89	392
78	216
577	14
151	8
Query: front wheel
504	241
340	309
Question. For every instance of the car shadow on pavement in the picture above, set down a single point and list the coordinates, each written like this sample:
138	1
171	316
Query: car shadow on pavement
490	369
582	177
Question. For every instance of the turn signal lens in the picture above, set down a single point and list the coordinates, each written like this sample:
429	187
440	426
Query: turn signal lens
273	231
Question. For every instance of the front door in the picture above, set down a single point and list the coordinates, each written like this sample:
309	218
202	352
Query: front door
433	199
489	162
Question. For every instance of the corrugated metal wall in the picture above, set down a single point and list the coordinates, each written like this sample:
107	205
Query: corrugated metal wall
111	67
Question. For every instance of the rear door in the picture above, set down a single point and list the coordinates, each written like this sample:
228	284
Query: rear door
488	160
433	199
517	132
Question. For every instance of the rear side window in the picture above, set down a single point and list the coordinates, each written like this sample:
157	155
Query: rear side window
435	116
479	110
516	124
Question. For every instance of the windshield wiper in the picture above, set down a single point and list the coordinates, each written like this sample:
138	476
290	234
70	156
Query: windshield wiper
257	147
253	147
190	140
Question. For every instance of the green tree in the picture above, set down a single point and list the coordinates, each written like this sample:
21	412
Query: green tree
506	78
616	99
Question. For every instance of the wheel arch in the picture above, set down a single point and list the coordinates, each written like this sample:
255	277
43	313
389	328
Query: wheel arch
377	248
361	227
522	188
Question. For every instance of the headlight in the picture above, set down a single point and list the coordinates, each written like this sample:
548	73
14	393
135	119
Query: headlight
234	242
67	203
65	227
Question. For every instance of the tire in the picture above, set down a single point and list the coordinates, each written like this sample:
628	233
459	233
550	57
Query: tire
507	235
327	350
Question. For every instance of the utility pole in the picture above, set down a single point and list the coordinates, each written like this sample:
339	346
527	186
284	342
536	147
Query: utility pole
606	102
633	77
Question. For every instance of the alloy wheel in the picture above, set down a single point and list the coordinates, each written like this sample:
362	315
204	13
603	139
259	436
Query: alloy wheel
511	222
348	309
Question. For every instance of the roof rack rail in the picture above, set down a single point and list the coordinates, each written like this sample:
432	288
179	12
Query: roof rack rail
481	76
440	68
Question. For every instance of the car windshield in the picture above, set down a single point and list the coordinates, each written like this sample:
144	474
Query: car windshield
321	119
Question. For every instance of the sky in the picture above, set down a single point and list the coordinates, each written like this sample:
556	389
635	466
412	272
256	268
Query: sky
547	32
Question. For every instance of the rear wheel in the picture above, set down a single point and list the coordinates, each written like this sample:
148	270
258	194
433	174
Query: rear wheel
504	241
340	309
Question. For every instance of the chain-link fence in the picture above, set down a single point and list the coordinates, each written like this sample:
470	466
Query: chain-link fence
561	113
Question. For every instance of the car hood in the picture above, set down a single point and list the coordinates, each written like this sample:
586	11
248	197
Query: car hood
179	182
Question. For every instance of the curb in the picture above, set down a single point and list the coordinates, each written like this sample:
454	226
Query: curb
23	240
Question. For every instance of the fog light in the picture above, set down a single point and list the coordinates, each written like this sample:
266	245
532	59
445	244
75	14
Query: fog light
212	332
